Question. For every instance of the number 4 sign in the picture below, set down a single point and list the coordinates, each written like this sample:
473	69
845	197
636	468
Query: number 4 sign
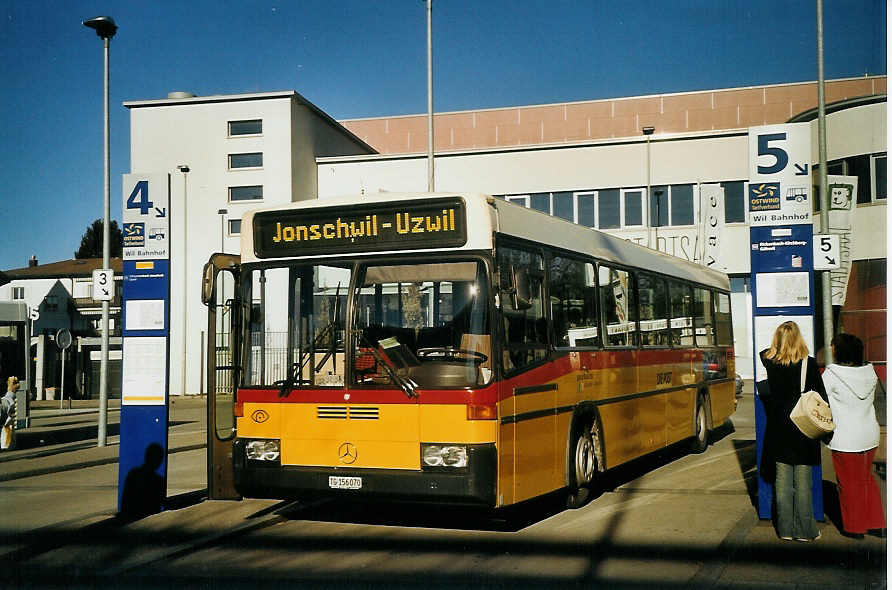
146	226
826	251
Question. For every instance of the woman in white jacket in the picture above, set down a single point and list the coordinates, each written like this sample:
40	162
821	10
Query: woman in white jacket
850	387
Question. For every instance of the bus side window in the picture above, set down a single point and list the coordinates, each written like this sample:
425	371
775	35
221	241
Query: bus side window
573	296
653	310
524	331
681	328
722	304
703	319
618	307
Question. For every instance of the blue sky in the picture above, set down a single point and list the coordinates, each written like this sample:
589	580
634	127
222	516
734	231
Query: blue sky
364	58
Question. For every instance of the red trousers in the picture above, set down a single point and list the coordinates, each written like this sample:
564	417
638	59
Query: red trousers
859	495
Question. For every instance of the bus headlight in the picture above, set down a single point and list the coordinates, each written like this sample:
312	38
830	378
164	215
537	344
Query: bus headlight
438	455
262	450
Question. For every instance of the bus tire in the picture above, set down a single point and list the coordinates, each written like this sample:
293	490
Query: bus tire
584	456
700	440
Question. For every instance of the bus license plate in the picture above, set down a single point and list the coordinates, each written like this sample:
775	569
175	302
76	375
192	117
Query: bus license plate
344	483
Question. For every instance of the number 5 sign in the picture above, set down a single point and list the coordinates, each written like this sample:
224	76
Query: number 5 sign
780	178
826	251
146	226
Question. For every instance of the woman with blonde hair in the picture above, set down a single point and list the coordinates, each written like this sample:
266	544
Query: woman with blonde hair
792	453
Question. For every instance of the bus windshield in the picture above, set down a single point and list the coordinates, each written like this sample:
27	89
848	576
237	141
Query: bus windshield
422	324
427	322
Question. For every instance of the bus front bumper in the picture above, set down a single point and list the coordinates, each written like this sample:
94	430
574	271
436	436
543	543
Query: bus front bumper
475	484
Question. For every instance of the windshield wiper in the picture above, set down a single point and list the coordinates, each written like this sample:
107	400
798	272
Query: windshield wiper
407	385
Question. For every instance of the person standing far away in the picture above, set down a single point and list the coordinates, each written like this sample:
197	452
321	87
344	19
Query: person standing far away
7	414
793	453
850	385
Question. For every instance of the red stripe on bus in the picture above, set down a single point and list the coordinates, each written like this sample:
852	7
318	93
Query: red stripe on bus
568	362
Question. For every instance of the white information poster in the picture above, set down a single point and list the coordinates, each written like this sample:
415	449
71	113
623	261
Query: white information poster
782	289
764	332
144	314
144	373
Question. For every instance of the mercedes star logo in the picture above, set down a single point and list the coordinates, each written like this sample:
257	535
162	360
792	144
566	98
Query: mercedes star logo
347	453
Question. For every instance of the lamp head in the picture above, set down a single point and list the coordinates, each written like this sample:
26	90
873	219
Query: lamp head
104	26
647	130
183	168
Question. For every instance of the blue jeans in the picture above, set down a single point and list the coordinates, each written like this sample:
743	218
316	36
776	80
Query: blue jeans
792	490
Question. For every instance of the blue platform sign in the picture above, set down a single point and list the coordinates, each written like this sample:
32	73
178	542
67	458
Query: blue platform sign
781	259
142	464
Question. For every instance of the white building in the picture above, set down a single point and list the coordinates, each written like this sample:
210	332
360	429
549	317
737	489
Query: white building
588	162
225	155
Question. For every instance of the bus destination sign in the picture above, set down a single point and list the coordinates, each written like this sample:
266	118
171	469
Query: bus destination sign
425	224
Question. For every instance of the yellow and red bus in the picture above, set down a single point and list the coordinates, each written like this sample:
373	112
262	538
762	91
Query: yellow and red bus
456	348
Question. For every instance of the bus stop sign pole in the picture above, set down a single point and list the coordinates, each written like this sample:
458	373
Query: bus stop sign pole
142	465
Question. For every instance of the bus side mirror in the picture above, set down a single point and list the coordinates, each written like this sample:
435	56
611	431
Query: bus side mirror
207	283
520	297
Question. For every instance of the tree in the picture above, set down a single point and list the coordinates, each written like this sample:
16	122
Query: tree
91	241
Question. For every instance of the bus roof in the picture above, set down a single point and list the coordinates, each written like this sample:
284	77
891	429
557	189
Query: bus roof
487	215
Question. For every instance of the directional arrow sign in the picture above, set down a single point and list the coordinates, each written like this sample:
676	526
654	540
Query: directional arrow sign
160	211
801	169
826	251
103	284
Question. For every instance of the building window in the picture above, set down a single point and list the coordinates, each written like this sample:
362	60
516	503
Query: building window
246	193
633	213
235	227
682	203
541	202
249	127
562	205
251	160
18	293
585	209
672	205
608	209
878	177
735	205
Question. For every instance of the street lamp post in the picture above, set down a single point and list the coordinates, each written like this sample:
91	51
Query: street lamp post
105	28
185	170
648	131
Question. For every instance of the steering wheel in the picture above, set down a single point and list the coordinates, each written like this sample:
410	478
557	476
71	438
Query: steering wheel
449	353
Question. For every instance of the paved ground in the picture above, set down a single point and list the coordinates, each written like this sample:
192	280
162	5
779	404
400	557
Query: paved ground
669	521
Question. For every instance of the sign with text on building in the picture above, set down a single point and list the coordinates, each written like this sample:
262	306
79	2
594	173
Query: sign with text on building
780	175
146	218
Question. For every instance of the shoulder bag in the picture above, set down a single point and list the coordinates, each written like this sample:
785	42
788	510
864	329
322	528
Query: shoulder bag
811	414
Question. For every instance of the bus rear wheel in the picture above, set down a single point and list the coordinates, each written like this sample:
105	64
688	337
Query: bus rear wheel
701	427
584	463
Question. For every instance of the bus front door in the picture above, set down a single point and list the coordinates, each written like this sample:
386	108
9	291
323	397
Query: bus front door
220	294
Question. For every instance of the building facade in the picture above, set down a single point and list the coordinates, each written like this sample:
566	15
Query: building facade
636	167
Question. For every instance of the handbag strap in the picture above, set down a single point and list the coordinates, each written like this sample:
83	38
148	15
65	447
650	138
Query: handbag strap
802	378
